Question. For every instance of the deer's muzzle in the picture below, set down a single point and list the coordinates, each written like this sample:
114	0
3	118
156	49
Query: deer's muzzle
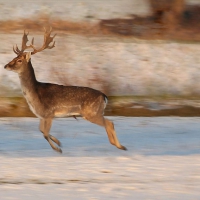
7	67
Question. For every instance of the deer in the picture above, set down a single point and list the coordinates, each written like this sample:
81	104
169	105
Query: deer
49	100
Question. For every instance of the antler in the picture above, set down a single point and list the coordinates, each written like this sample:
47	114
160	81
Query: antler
46	45
24	46
47	40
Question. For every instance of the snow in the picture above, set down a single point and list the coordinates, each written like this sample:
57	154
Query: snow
75	10
162	161
127	67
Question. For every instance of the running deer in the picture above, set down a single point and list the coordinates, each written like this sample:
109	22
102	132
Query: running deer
47	100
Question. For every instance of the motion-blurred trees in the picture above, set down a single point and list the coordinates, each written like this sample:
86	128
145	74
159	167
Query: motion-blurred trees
167	12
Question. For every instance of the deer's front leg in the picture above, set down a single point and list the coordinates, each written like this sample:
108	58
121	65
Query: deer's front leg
45	126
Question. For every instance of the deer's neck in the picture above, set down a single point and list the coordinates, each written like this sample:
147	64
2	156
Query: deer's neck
28	80
29	88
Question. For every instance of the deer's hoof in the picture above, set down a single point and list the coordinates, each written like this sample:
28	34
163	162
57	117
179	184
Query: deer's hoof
58	150
123	148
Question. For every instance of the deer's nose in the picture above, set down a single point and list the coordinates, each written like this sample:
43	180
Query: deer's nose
5	66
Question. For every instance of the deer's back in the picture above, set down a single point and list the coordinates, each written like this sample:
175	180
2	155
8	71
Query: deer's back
59	100
53	93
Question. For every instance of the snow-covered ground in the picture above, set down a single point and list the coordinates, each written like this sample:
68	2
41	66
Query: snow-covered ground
162	161
128	67
76	10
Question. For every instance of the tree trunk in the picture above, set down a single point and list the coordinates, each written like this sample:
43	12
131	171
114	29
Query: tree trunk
167	12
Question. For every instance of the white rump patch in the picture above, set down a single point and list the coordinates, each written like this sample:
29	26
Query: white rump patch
106	101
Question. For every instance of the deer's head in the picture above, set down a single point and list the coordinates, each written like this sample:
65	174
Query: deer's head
20	63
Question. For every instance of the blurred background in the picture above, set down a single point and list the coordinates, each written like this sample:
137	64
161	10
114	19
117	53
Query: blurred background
144	55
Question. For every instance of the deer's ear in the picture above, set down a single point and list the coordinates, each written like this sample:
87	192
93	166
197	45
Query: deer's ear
28	56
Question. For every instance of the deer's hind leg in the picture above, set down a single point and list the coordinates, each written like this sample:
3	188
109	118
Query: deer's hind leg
109	126
94	114
45	126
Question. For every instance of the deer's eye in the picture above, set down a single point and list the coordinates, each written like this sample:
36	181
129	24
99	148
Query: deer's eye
19	61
